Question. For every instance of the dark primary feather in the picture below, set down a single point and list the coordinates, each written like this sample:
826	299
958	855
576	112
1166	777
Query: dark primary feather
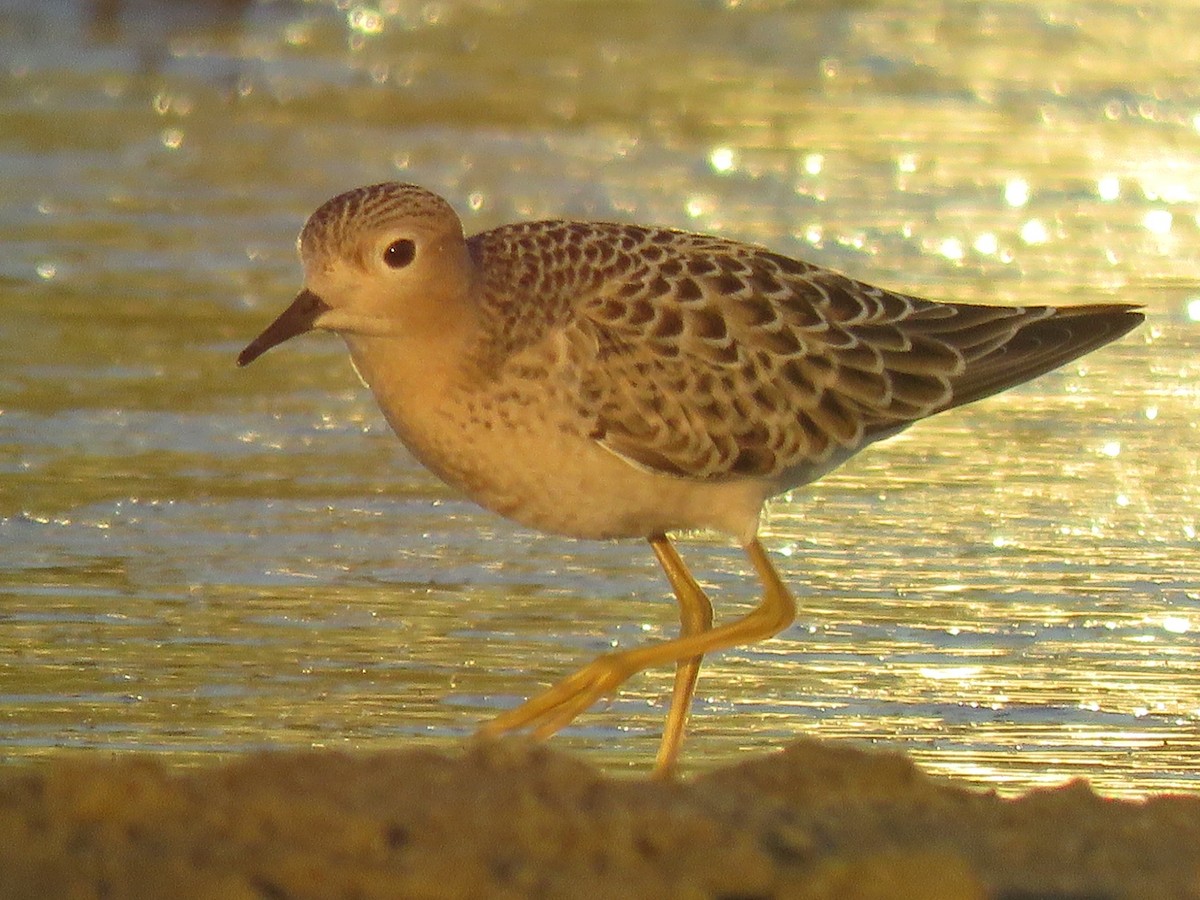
1044	345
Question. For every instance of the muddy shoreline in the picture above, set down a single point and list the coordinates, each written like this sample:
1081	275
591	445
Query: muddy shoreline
517	820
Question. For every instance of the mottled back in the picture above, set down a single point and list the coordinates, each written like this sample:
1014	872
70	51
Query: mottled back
708	358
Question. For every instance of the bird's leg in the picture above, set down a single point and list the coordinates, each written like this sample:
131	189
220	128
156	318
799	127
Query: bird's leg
555	708
695	617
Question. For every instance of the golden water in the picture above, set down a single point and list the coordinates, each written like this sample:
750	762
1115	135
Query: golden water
196	560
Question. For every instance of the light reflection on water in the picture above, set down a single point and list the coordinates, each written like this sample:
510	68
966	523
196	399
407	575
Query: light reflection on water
199	561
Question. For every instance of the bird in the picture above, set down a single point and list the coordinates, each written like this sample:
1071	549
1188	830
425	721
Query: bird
602	380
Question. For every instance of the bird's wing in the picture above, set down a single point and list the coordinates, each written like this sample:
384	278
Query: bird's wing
711	359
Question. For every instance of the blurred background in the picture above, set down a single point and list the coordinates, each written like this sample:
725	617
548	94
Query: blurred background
198	561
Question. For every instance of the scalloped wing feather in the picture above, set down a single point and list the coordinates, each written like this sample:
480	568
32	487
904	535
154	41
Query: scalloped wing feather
708	358
732	361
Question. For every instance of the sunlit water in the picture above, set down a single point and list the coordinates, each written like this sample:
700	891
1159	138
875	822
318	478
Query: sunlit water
196	560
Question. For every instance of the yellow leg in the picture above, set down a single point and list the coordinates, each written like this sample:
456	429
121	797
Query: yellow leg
695	617
555	708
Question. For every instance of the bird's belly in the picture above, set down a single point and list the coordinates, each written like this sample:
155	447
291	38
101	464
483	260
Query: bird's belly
519	448
550	476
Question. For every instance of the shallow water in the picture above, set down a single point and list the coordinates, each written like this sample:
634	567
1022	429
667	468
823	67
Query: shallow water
196	560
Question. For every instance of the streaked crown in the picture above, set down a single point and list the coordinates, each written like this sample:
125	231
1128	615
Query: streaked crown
337	227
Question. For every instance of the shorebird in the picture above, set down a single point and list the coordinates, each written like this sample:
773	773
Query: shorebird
603	380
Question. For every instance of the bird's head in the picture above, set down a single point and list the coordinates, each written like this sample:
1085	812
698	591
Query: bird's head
388	260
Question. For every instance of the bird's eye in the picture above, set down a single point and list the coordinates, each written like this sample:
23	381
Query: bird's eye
399	254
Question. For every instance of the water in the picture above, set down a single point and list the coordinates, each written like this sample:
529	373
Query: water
198	561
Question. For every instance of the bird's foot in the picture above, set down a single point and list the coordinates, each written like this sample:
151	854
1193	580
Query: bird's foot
555	708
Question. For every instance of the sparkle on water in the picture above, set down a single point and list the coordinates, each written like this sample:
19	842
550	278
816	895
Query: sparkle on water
195	560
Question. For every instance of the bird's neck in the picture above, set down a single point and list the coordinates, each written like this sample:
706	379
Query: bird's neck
413	378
